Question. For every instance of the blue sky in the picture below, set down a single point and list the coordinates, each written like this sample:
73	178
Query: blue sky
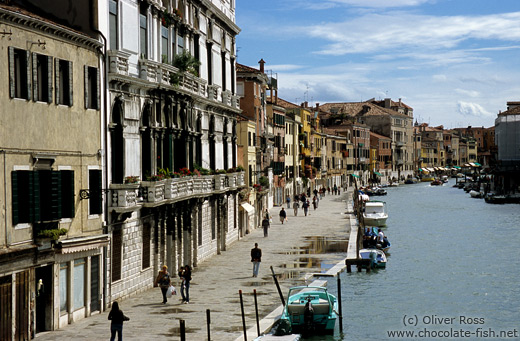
456	62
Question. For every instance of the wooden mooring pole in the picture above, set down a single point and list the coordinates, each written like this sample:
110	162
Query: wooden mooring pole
243	315
339	305
182	330
208	322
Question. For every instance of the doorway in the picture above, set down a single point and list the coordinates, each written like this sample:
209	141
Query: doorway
43	286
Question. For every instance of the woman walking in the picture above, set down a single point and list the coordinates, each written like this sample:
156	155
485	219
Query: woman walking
163	280
117	317
185	289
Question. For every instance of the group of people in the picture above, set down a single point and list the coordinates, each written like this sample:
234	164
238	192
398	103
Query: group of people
163	280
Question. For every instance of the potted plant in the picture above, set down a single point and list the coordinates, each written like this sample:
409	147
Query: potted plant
131	179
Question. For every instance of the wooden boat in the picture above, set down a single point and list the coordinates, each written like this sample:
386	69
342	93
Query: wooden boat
309	310
375	213
436	182
427	178
377	257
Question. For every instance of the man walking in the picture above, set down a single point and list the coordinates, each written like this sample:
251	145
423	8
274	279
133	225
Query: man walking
256	258
296	205
265	225
283	215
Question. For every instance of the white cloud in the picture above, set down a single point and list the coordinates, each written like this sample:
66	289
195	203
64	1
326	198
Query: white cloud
440	78
469	93
284	67
405	32
472	109
381	3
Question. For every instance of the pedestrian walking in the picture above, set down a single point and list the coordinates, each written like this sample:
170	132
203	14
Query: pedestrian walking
305	207
335	189
265	225
314	203
256	258
116	326
283	215
185	288
296	205
315	192
288	200
163	281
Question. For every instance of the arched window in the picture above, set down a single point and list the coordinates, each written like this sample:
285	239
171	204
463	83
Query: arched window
117	141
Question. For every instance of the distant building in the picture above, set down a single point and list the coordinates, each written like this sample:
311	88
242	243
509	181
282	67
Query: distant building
507	137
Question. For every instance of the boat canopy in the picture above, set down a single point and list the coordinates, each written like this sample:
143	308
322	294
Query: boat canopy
376	173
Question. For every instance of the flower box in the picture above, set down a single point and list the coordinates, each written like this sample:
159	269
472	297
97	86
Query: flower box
123	195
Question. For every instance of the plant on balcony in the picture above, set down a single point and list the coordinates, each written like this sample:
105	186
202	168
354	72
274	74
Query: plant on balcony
53	234
162	174
131	179
219	171
240	169
168	19
263	181
185	62
201	170
185	172
257	187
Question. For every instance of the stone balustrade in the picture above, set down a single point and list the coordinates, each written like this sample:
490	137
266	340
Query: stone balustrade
127	197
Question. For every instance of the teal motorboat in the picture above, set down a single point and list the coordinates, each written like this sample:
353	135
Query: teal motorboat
310	310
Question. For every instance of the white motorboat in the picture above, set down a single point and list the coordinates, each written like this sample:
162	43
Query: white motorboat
375	213
377	257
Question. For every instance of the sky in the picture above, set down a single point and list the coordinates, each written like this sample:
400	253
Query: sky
455	62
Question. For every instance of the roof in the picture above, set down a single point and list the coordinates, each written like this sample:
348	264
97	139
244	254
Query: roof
285	104
244	68
360	109
512	111
379	136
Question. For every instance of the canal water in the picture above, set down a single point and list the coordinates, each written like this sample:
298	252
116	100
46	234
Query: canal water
454	267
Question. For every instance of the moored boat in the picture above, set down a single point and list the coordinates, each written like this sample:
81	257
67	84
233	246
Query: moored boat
436	182
377	257
375	213
309	310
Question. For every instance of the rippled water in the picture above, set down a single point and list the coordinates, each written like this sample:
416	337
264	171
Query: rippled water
452	257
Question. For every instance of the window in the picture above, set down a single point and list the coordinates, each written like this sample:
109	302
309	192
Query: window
95	191
143	32
164	43
180	43
117	244
42	78
64	293
42	195
240	89
112	25
223	61
79	283
91	88
146	245
19	75
63	81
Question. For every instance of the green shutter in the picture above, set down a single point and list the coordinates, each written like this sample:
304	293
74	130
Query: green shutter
29	76
57	79
49	79
98	91
85	72
67	194
96	192
14	190
11	72
55	195
35	76
34	196
70	85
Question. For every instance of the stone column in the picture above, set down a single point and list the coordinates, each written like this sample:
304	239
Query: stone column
187	228
170	246
195	231
180	238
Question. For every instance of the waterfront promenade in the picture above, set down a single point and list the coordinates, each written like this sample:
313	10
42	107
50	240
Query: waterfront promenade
296	250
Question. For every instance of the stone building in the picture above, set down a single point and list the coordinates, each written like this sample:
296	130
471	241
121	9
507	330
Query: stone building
171	143
52	238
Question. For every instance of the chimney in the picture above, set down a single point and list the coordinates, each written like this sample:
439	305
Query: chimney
317	107
388	102
261	62
399	102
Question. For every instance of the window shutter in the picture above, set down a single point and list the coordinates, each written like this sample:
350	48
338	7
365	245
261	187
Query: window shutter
98	91
35	76
95	190
29	75
57	79
11	72
70	85
55	195
34	196
14	190
49	79
85	72
67	194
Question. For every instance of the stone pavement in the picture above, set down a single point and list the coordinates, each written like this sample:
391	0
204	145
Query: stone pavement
297	249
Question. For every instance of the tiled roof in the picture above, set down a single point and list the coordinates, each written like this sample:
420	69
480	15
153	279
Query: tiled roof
379	136
285	104
513	111
359	109
244	68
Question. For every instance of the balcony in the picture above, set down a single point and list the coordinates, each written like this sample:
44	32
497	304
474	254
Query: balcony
124	197
118	62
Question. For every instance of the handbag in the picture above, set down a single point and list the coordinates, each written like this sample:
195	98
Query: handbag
171	291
